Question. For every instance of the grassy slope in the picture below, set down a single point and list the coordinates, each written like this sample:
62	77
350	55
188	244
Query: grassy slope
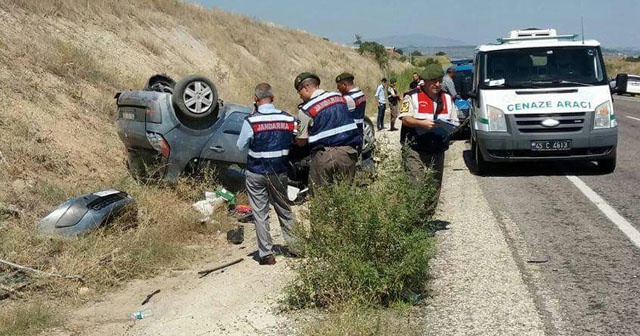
62	61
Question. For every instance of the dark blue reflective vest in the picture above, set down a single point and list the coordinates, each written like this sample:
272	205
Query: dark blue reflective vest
333	124
360	101
272	137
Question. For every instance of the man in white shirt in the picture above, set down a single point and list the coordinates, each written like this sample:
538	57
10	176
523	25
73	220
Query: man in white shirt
381	95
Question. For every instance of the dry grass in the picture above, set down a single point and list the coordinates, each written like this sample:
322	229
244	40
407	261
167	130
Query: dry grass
616	65
358	321
19	320
149	235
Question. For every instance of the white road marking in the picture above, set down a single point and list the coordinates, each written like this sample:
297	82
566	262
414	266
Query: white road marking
634	118
607	210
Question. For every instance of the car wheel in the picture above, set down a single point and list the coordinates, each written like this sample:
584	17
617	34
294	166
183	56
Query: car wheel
160	83
607	166
195	97
369	136
481	165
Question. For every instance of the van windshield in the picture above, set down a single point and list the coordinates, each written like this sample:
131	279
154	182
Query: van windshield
543	67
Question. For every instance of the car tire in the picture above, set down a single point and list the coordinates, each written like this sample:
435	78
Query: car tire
607	166
160	83
481	166
195	97
369	137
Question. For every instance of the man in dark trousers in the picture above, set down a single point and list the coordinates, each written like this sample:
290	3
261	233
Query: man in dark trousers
268	132
393	103
355	98
424	142
381	96
327	126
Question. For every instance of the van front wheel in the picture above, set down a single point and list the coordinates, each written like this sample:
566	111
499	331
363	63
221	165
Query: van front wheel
481	165
607	166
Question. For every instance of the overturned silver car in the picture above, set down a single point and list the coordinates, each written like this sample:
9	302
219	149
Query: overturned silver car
173	128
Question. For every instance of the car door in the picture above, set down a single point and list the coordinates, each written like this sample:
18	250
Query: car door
221	147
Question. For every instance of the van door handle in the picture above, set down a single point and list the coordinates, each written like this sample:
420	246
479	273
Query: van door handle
217	149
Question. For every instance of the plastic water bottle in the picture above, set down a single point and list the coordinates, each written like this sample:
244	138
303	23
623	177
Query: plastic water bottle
140	314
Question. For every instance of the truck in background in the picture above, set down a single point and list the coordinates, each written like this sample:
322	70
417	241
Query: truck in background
540	96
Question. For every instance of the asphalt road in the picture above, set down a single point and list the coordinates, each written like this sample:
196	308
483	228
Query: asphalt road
582	270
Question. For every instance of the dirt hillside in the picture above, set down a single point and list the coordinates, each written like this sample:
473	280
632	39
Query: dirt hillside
62	61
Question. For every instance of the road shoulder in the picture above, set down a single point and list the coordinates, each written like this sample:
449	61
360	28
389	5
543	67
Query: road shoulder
476	284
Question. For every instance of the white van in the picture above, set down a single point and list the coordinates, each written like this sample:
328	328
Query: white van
542	96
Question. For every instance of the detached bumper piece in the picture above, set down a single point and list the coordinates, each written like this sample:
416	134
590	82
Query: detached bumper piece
84	213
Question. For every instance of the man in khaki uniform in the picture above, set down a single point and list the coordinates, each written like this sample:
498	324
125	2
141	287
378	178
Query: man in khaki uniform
424	140
393	103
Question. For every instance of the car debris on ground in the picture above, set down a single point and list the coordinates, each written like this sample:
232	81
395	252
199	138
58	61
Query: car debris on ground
81	214
213	202
206	272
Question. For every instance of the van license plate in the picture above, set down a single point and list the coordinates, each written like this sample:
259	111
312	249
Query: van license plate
551	145
128	116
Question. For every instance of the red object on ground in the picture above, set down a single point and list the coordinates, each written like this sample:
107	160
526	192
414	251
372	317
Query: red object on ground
243	208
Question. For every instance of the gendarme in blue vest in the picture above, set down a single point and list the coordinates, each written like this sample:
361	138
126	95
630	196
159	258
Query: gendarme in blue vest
272	137
360	102
333	124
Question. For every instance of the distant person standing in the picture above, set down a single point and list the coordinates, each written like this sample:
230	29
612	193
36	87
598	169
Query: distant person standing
381	95
447	83
355	98
393	103
268	132
416	81
327	126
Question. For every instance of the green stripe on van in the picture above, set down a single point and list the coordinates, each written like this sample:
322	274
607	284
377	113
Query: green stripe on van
484	121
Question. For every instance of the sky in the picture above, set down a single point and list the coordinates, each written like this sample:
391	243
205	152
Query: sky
612	22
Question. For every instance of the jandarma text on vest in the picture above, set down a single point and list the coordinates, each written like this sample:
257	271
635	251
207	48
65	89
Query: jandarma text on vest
273	126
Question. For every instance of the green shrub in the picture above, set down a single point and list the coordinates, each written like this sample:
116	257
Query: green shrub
376	49
427	61
367	245
403	78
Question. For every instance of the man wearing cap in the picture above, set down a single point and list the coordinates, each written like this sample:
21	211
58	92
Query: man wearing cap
447	83
327	126
268	132
382	102
424	142
355	98
393	103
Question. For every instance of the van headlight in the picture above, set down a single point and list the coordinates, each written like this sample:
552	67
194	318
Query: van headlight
604	117
497	122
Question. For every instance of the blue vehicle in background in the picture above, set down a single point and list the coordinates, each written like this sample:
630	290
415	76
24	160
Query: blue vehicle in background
463	82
